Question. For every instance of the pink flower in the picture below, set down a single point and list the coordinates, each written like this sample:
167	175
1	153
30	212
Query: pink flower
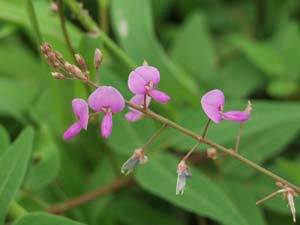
134	114
81	110
213	102
108	100
143	80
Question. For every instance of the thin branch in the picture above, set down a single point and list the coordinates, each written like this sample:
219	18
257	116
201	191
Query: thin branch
64	28
196	136
269	197
164	126
73	203
237	144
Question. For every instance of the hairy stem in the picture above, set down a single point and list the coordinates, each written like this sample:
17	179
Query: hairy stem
154	136
34	22
64	28
196	146
237	144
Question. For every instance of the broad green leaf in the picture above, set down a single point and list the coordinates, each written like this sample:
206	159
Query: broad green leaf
283	88
243	197
193	49
45	219
242	75
4	139
103	175
13	165
11	102
131	210
134	29
290	168
263	55
202	196
47	161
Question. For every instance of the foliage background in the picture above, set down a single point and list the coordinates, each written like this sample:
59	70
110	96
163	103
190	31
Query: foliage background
249	49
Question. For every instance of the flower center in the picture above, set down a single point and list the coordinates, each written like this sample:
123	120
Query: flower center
149	86
107	110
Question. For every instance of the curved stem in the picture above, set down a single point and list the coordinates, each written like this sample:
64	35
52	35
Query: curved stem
157	133
199	138
64	28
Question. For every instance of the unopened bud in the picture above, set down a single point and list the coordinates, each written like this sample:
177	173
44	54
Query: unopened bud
248	107
46	48
98	56
58	76
54	6
145	63
58	55
212	153
72	69
80	61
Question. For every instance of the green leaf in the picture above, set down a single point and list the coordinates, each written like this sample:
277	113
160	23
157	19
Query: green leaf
45	219
132	210
11	102
283	88
103	175
13	164
243	196
193	49
134	29
4	139
260	54
47	161
202	196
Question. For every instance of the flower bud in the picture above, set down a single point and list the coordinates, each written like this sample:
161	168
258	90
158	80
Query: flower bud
138	157
80	61
46	48
248	108
212	153
145	63
72	69
98	56
58	76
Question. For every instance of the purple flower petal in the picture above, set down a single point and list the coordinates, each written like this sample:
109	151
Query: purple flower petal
159	96
81	110
141	77
134	114
237	116
72	131
211	103
106	97
106	125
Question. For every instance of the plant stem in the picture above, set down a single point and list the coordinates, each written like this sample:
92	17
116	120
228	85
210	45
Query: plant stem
88	23
16	211
116	185
157	133
199	142
64	28
237	144
268	197
34	22
103	21
199	138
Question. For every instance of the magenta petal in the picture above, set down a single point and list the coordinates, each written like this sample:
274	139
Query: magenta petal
149	74
141	77
81	110
139	100
105	97
211	103
159	96
106	125
237	116
133	116
72	131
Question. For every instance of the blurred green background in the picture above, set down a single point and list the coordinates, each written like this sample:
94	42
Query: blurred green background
249	49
